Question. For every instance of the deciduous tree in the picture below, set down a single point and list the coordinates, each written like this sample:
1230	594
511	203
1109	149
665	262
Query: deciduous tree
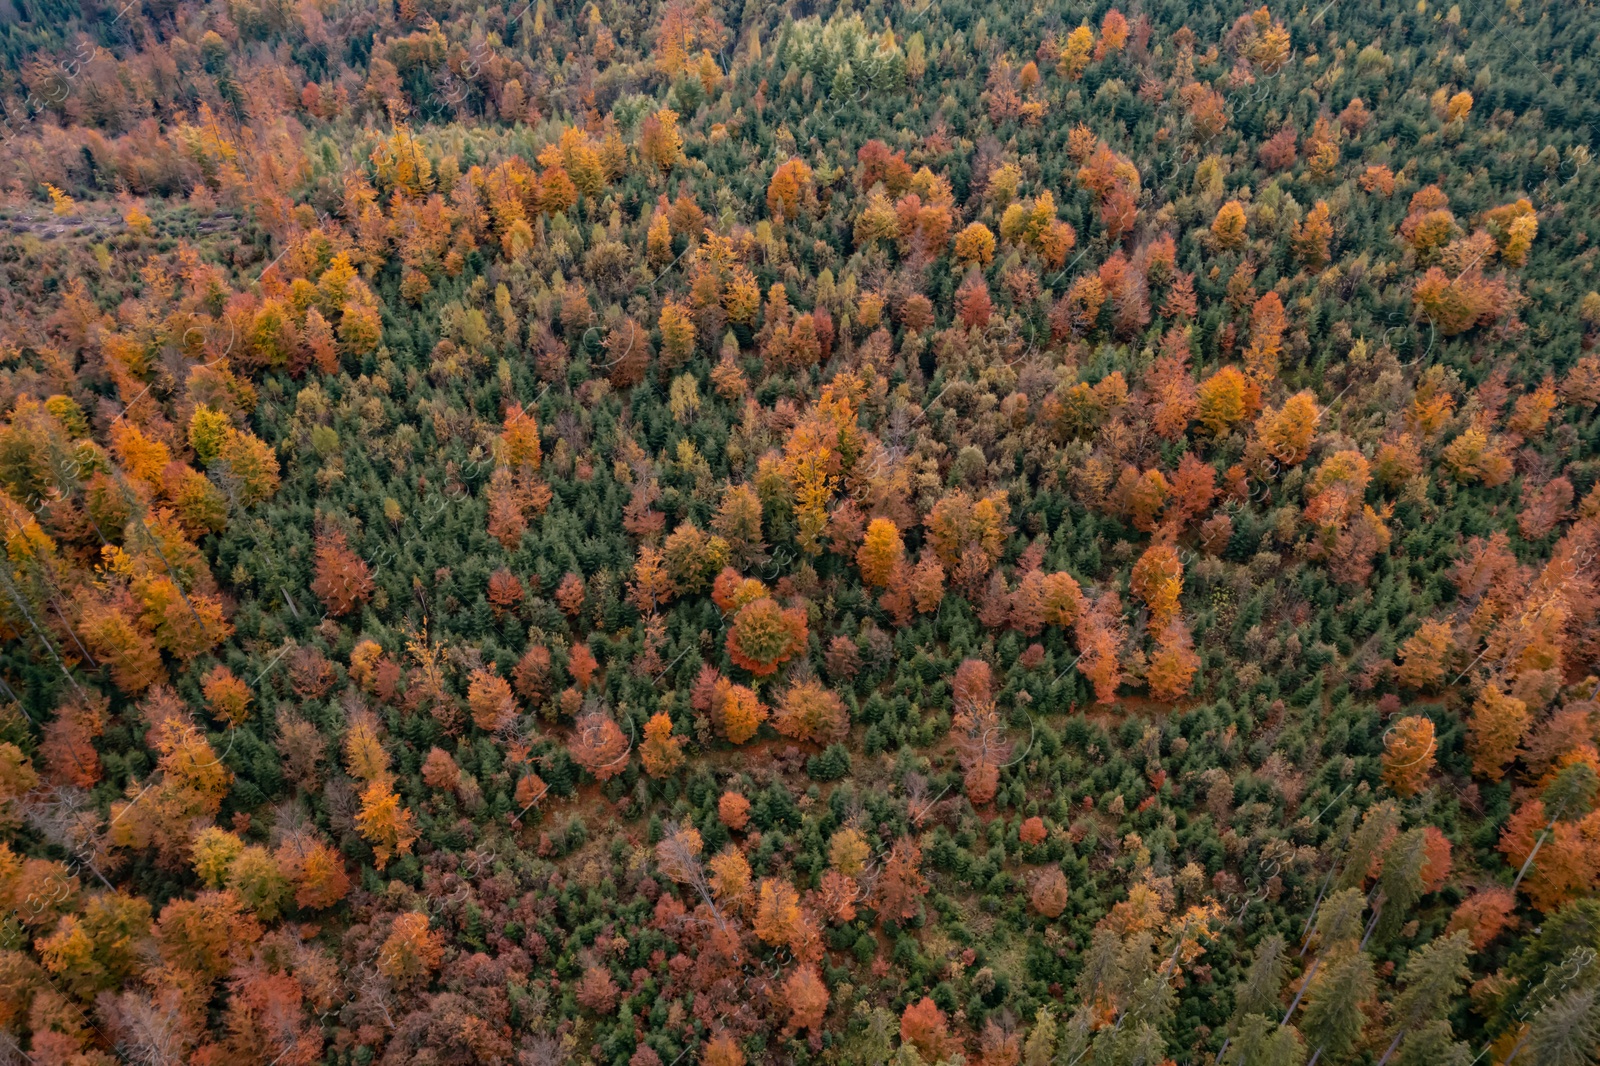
1408	754
1050	892
385	824
343	580
1497	727
1424	655
924	1026
661	752
412	951
809	711
806	997
764	636
598	745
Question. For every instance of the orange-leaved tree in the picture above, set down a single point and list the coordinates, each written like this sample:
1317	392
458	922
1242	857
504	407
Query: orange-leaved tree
765	635
385	824
925	1027
1424	655
493	705
730	874
777	917
1173	663
809	710
343	581
412	951
661	752
900	886
1157	579
736	711
226	695
1408	754
787	191
806	997
598	745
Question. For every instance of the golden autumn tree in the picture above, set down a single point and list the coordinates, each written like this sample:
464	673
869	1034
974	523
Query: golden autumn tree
1514	227
364	754
729	875
777	918
1228	228
1312	236
411	951
693	558
810	711
660	141
1075	53
1408	754
974	245
212	851
1496	729
788	189
658	238
206	935
958	522
812	465
1287	433
1226	398
1144	497
1425	655
1157	579
385	824
661	752
489	696
677	334
881	551
519	444
190	788
652	586
99	949
736	711
848	851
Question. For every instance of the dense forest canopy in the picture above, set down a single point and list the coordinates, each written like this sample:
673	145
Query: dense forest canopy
725	532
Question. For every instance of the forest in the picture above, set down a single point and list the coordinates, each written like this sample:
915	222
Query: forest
667	532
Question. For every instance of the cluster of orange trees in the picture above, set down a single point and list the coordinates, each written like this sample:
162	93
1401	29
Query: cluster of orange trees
661	532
